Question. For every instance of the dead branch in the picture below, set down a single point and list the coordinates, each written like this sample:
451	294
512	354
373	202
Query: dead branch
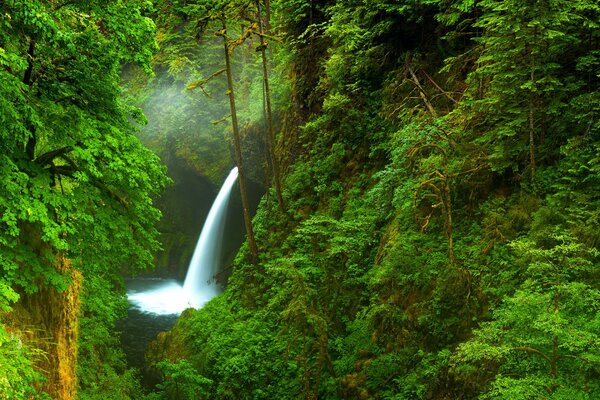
439	88
421	91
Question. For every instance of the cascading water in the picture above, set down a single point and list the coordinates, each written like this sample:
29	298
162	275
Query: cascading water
199	282
169	297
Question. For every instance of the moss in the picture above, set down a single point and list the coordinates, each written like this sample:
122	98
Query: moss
48	321
171	345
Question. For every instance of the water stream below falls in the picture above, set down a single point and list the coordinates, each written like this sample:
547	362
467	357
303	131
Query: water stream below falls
139	328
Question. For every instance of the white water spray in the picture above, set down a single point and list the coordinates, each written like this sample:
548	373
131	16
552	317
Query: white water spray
199	282
199	286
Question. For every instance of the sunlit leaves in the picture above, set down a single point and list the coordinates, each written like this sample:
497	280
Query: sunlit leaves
546	326
74	180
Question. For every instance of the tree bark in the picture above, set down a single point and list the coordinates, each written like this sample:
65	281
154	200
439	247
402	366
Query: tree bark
267	15
532	122
555	355
422	92
238	149
270	131
532	143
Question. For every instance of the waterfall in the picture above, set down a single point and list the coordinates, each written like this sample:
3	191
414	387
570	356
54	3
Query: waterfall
199	282
169	297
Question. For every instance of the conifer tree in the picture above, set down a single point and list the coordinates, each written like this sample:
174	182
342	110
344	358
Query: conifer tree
519	86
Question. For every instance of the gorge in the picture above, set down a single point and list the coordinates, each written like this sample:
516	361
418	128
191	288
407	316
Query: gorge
427	226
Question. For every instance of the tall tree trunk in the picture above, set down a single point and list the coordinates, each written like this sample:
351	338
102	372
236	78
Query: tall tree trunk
555	356
270	131
238	149
532	144
531	119
448	209
267	15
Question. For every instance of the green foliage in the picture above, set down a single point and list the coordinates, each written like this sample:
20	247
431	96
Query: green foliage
102	370
17	374
117	385
441	232
543	338
524	78
181	381
235	355
76	183
442	228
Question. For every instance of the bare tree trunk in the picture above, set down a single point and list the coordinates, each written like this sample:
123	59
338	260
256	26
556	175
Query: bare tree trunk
270	134
422	92
532	125
449	227
267	15
238	150
531	144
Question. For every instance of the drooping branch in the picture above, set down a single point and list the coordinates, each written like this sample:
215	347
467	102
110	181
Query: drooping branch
47	158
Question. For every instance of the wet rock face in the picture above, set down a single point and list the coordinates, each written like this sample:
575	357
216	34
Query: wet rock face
49	322
184	205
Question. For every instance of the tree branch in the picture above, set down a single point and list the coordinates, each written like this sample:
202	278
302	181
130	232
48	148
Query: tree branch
439	88
103	188
532	350
202	82
69	170
48	157
421	91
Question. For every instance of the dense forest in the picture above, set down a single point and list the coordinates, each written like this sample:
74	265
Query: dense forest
430	224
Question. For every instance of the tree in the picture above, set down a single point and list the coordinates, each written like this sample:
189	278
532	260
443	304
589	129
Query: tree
271	156
543	340
203	13
77	184
237	142
522	79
